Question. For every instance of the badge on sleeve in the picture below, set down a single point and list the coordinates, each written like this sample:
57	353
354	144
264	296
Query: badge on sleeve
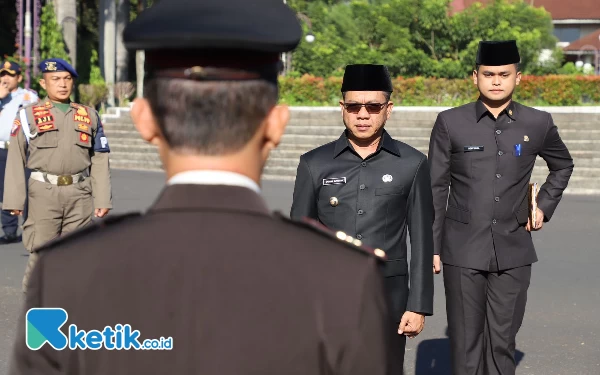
100	140
15	128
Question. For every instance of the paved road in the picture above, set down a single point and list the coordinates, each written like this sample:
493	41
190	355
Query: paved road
561	331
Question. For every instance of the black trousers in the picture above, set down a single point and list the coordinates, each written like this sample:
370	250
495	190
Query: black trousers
485	311
397	353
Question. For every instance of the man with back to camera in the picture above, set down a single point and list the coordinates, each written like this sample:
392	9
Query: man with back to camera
12	98
484	152
376	189
238	290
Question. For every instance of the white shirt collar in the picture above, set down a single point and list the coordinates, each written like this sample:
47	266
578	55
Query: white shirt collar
214	178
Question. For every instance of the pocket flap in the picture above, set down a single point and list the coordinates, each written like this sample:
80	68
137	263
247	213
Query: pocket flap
48	139
392	190
458	214
84	139
522	215
395	267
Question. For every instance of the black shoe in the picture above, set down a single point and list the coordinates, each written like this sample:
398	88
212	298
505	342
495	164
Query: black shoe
9	238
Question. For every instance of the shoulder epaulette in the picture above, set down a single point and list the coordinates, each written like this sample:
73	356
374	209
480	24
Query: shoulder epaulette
79	233
340	236
30	105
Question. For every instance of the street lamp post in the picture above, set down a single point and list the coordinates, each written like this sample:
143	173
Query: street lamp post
28	34
19	41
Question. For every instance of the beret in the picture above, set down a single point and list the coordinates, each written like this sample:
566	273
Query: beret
57	65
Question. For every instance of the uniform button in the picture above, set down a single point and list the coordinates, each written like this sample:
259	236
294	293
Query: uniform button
362	187
497	199
498	175
364	164
494	221
360	212
359	236
500	153
498	131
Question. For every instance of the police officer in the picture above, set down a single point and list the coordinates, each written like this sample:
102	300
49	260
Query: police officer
373	187
64	145
484	152
239	290
12	98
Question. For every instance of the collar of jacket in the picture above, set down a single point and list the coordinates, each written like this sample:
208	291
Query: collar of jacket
481	109
386	142
195	197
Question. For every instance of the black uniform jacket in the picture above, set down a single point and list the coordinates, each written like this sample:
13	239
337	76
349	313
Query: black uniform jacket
239	290
374	200
487	164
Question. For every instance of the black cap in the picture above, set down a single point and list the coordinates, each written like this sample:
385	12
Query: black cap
215	39
366	77
10	67
497	53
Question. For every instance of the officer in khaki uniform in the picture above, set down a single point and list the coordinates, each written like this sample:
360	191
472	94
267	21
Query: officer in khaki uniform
64	145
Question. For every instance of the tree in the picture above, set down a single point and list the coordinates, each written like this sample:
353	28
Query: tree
420	37
51	37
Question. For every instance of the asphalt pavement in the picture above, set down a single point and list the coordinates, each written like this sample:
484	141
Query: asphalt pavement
561	331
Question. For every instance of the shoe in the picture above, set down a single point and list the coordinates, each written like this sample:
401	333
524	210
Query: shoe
10	238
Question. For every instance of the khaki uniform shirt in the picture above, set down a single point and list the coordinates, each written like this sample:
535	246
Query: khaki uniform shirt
60	144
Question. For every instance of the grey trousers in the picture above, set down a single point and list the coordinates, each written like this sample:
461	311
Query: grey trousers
485	311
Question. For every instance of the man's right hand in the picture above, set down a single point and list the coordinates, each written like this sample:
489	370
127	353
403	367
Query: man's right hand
16	213
3	91
437	262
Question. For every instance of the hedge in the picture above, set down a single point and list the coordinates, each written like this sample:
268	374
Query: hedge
534	90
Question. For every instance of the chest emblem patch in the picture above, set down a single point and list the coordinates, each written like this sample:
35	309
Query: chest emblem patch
526	139
387	178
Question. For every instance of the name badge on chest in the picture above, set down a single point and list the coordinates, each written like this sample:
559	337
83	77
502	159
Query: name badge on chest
334	181
473	148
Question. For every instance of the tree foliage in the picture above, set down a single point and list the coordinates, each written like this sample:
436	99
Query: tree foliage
420	37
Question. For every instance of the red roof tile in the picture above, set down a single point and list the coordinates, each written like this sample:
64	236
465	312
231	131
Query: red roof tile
588	40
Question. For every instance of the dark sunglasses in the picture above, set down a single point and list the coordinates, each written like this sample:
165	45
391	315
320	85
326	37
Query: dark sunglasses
372	108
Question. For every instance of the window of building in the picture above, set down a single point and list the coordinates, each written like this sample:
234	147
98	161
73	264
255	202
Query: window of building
567	34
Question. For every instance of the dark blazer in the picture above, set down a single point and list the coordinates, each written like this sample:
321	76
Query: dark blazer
475	157
377	199
239	290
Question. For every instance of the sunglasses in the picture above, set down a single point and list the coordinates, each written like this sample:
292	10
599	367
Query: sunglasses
372	108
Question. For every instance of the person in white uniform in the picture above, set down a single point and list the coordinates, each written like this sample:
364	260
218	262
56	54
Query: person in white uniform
12	98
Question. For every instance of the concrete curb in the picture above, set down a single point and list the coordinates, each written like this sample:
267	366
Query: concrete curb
118	111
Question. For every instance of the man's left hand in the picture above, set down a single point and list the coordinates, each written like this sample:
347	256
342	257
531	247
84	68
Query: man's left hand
101	212
539	221
412	324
